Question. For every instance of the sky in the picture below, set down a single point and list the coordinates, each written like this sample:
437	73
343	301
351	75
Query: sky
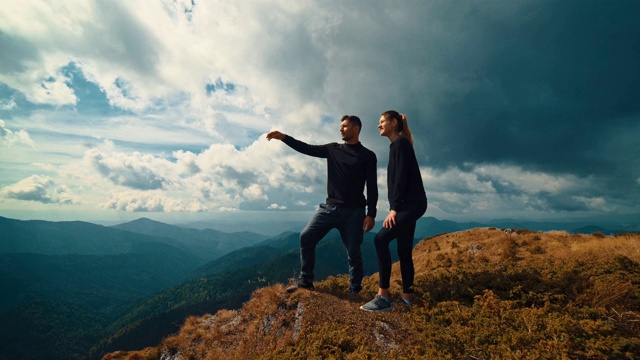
116	110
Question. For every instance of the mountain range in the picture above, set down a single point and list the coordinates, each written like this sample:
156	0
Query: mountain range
432	226
76	290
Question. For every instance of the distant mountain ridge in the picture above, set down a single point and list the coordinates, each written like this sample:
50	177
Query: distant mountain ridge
433	226
259	253
206	243
271	228
66	237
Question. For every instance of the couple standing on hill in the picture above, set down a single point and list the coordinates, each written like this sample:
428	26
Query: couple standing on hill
349	167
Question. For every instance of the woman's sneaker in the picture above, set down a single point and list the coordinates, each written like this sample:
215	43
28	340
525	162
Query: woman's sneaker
379	303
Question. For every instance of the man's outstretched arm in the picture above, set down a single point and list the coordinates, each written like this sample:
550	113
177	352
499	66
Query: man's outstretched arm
299	146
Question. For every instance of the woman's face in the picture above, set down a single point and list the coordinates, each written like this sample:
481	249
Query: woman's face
386	126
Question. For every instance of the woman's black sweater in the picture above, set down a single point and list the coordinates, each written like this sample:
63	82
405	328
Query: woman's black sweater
404	182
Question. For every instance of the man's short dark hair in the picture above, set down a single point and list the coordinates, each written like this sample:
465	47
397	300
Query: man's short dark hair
353	120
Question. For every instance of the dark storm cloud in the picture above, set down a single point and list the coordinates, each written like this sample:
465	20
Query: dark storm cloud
549	86
540	87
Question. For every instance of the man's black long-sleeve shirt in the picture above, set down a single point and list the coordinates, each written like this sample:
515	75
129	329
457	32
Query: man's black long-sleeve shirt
349	167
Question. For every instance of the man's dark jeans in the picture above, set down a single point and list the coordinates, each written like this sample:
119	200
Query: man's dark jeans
349	224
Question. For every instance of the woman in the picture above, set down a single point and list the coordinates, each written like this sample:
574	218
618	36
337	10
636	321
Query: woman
408	202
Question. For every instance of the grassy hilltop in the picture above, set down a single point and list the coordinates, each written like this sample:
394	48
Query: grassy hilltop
481	294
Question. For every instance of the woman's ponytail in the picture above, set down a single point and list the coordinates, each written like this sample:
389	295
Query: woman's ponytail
405	128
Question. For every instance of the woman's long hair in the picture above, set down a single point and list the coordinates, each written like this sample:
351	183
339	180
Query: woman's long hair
403	126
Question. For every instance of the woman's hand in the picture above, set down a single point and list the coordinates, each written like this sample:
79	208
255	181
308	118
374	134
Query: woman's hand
390	221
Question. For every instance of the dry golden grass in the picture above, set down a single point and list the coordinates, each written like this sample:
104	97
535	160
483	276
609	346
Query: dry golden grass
482	293
558	244
145	354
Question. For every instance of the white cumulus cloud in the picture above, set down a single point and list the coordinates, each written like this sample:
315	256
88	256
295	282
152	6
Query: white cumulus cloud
9	137
275	206
137	171
40	189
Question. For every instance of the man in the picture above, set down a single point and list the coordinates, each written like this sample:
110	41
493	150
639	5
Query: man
349	166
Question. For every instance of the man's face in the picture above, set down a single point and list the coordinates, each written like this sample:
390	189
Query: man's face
348	130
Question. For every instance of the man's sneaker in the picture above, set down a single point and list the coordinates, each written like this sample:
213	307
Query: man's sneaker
407	302
300	283
379	303
355	289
